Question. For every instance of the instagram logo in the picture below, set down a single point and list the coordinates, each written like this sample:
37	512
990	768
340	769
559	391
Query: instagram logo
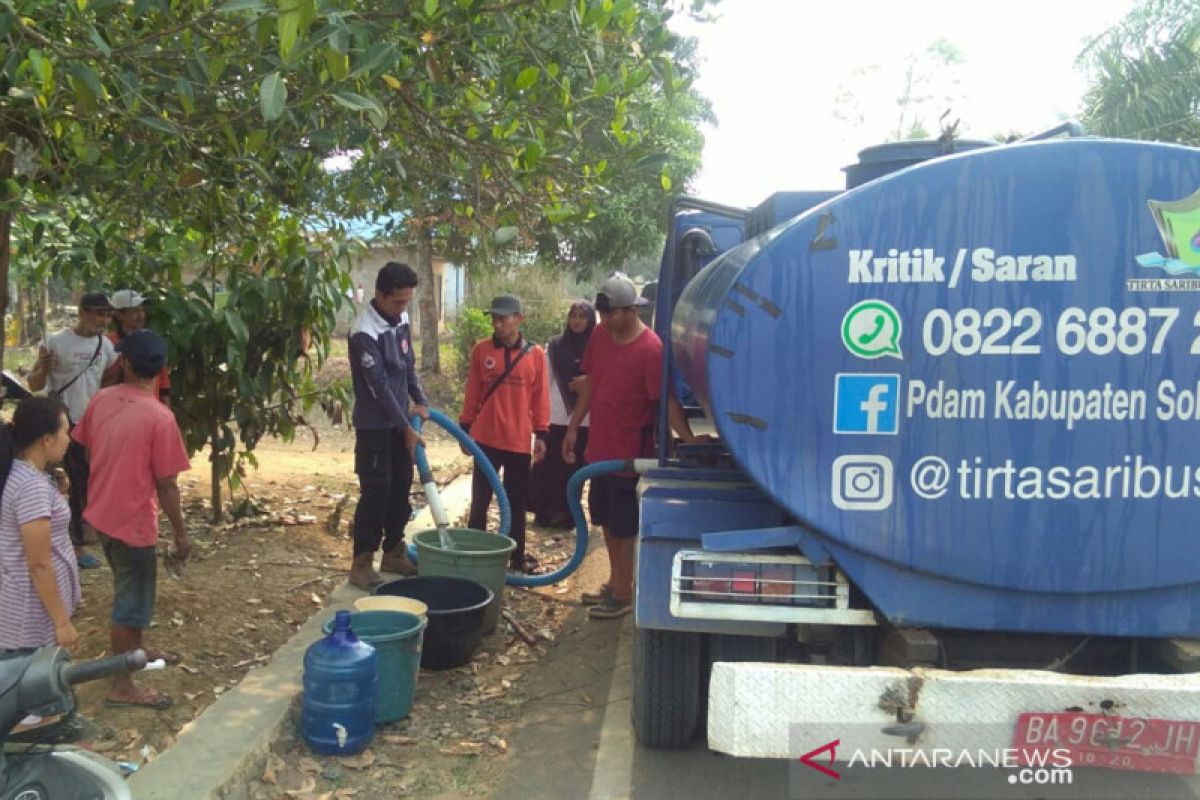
862	483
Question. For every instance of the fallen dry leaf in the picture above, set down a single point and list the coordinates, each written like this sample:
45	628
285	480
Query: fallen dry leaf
586	698
306	764
271	772
305	788
398	740
188	670
462	749
316	598
361	761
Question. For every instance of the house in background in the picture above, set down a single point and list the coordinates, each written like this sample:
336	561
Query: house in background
450	280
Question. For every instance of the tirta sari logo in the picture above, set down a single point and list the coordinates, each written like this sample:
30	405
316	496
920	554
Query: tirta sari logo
1179	225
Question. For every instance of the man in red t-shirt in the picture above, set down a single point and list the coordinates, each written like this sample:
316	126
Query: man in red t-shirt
623	365
136	452
129	314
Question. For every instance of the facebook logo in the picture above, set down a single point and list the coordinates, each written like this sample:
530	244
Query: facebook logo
866	403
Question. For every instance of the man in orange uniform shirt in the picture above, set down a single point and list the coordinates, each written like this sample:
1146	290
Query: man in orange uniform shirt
507	406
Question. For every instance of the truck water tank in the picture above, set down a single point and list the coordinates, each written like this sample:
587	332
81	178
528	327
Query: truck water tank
884	159
976	381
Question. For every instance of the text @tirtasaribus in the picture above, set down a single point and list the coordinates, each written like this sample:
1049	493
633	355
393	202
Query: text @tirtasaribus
1129	477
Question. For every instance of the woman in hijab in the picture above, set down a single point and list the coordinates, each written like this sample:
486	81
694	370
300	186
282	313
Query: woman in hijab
548	487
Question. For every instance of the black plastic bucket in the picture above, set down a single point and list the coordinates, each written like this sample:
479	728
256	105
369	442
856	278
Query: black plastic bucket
457	607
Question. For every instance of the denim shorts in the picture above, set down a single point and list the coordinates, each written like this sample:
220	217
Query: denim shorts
135	576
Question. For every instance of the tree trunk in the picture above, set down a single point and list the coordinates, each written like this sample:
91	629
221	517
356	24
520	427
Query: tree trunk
6	171
213	440
33	322
44	310
21	313
431	362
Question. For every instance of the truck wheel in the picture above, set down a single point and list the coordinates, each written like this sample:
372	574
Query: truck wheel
666	687
728	647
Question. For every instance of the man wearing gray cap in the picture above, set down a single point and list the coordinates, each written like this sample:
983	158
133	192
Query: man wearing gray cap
623	365
506	410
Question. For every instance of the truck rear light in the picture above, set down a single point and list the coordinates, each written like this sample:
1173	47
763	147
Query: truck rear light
711	581
778	583
768	587
745	581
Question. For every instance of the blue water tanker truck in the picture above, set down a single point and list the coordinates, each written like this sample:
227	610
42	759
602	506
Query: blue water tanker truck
953	497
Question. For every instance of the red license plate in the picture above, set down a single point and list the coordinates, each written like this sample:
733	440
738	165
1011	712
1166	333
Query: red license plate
1099	740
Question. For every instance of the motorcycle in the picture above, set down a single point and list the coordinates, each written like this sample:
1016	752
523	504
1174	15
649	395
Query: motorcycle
40	683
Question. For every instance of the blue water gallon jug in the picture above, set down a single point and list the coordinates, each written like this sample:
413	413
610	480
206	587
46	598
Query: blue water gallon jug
341	672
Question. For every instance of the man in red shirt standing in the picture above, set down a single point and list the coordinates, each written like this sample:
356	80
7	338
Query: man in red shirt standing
129	314
623	365
136	453
506	408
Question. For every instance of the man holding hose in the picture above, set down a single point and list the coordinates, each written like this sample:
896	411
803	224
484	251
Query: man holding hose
383	368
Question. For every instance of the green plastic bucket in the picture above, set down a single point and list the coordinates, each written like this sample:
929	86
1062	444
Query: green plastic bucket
396	637
477	555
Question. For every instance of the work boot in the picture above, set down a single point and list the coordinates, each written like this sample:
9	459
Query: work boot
396	560
363	574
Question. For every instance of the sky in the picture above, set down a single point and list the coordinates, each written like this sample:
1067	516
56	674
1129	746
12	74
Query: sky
800	86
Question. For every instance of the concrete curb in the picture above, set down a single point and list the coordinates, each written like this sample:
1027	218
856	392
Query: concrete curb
220	747
613	776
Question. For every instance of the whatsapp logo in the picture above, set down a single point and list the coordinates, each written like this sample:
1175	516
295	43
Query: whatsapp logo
871	329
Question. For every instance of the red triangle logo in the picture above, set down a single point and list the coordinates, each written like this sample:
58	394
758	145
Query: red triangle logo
807	759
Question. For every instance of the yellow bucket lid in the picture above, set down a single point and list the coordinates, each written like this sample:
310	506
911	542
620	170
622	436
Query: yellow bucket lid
390	603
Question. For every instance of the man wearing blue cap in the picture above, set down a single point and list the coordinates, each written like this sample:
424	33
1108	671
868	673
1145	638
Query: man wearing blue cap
136	453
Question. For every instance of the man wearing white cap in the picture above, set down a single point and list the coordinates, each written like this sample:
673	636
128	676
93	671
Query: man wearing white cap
129	315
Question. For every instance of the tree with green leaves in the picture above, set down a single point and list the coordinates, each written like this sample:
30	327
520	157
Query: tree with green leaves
1145	74
186	139
589	109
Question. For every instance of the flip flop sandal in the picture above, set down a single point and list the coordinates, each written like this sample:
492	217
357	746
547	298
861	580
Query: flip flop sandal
146	698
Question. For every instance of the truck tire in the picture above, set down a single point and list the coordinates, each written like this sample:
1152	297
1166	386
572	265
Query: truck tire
666	687
729	647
